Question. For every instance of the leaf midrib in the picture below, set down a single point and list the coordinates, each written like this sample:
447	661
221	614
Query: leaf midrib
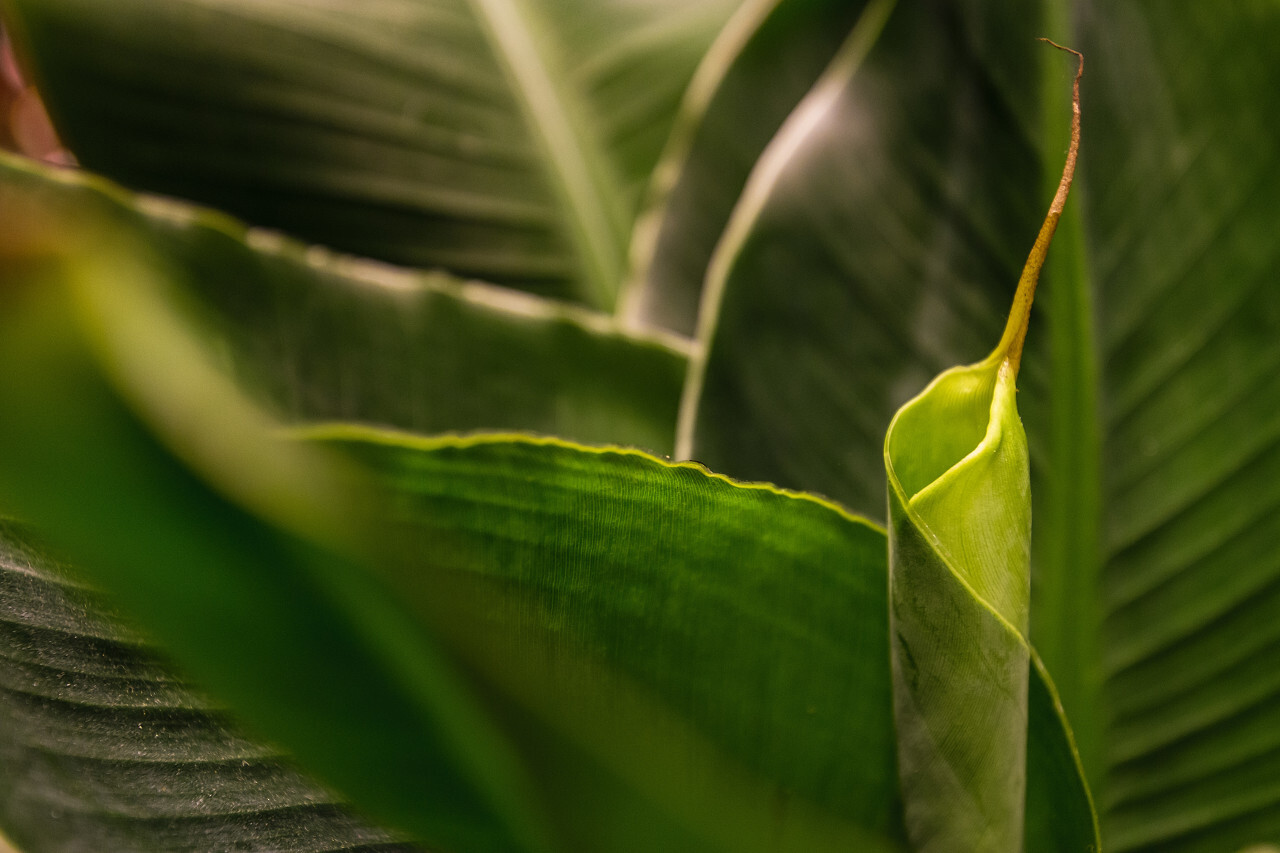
585	187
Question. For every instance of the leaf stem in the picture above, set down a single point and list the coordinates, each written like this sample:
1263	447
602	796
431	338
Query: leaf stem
1015	333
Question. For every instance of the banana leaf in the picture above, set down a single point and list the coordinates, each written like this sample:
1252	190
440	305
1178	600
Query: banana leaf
505	140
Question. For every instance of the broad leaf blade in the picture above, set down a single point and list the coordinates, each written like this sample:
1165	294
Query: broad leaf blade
335	689
1182	263
714	645
325	338
780	698
501	139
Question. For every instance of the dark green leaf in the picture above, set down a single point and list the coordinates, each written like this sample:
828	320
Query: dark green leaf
502	139
327	337
104	749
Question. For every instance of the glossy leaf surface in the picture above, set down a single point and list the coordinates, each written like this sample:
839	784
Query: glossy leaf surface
503	139
324	337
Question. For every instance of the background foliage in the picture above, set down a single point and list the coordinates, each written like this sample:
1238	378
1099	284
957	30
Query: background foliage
743	236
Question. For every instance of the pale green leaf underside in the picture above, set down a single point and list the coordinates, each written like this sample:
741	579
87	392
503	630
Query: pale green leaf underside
503	139
325	337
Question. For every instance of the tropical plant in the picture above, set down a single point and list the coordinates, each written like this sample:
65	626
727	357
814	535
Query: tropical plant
413	519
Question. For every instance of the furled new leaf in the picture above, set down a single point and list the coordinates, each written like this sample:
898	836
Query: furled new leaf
960	576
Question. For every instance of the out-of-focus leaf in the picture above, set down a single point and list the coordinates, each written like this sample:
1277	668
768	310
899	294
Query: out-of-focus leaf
270	611
504	139
754	75
328	338
104	749
88	340
886	248
1179	261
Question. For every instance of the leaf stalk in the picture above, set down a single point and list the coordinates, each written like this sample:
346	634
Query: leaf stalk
1009	349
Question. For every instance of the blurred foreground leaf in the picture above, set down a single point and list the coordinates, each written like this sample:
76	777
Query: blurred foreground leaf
325	337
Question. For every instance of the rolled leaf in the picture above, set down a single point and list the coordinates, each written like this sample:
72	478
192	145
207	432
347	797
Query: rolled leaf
960	567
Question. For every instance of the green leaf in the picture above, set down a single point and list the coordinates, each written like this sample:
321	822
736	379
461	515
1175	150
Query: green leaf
323	337
717	646
343	640
87	341
750	80
504	139
744	648
886	246
959	475
104	748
